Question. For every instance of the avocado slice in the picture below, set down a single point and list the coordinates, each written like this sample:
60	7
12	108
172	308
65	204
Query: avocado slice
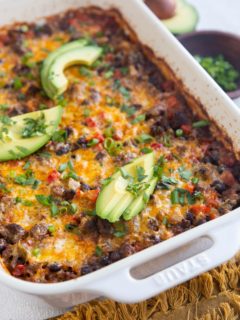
56	81
184	20
14	145
114	198
140	202
54	55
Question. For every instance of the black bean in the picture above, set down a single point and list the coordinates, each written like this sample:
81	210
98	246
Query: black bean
185	223
190	217
69	194
100	155
44	29
155	239
82	143
20	69
114	256
54	267
104	261
104	227
178	119
153	224
156	79
86	269
236	171
3	245
219	186
39	231
90	226
62	149
32	90
126	250
157	128
69	131
17	110
85	187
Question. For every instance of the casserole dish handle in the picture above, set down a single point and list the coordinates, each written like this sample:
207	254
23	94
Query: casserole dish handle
122	286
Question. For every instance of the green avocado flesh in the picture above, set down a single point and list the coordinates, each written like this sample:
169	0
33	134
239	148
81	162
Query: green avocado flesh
13	144
53	56
53	79
185	19
140	202
114	198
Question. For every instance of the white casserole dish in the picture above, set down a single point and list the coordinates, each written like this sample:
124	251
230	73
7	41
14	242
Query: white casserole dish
185	256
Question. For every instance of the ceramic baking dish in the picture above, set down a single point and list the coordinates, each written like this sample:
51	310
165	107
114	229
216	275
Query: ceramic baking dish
178	259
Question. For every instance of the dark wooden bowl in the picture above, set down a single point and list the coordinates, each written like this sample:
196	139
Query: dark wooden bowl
212	43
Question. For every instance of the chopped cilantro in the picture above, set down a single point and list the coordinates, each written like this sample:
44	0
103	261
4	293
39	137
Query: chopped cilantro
4	106
44	200
27	179
183	196
98	251
34	127
59	136
146	150
17	84
144	138
84	71
184	174
139	118
129	110
140	174
93	142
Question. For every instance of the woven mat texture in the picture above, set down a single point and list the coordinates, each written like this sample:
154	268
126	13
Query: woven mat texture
214	295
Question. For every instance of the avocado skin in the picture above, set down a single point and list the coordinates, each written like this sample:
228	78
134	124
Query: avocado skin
23	147
185	19
53	56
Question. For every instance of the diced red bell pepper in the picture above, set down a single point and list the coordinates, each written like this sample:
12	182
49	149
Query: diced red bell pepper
189	187
168	85
186	128
53	176
156	146
90	122
117	74
19	270
198	208
99	136
92	195
172	102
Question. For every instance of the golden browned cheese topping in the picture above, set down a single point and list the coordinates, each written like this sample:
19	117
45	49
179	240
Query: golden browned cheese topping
115	111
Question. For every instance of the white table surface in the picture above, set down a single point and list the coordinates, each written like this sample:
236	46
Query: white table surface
216	15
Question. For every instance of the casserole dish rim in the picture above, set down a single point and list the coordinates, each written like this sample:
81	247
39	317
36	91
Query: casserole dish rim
74	285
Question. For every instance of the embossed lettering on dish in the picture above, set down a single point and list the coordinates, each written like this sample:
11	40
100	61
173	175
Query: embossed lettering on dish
177	272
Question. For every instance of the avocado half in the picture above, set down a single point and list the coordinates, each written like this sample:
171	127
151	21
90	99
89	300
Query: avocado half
53	79
14	146
185	19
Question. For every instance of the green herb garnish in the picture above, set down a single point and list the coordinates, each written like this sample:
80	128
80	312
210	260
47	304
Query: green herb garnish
112	147
221	71
200	124
34	127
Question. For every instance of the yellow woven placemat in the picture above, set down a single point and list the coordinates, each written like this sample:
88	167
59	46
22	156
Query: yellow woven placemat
214	295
